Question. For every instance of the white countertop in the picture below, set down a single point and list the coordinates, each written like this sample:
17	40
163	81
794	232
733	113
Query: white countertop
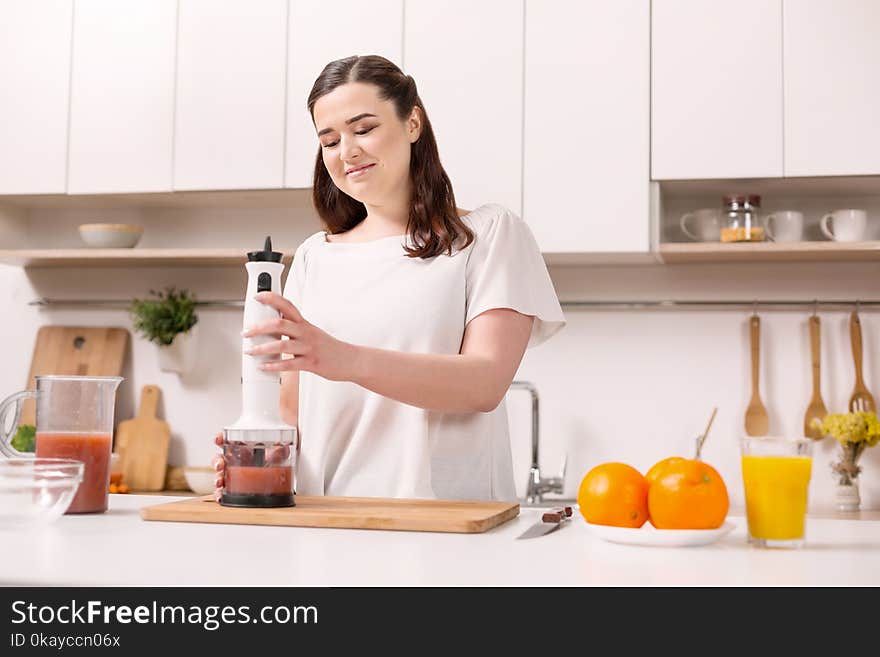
119	548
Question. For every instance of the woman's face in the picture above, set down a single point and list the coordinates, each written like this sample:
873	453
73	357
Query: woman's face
365	146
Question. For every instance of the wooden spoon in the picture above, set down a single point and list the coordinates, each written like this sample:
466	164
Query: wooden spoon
816	409
861	399
702	438
757	422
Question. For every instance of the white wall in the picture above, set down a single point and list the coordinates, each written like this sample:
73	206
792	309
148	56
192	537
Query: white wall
632	386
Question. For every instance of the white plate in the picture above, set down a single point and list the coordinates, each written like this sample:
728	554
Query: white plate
648	535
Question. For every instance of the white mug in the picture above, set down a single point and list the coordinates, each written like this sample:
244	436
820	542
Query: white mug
784	226
707	226
845	225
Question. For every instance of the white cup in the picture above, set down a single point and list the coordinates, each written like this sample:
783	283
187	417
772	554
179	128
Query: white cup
702	225
785	226
845	225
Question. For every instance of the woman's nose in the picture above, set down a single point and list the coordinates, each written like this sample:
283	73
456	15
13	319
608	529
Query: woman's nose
348	150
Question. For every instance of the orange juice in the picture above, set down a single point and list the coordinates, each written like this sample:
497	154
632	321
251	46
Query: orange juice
776	495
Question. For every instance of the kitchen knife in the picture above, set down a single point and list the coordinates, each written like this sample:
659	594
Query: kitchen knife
549	522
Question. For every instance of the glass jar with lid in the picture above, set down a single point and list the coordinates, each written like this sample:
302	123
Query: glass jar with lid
741	221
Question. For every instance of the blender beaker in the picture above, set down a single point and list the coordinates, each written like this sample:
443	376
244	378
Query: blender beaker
74	420
260	466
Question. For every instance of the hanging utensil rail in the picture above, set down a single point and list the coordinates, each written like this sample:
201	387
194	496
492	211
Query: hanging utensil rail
678	304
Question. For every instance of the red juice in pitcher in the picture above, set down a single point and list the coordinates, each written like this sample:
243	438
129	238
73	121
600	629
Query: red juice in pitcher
93	449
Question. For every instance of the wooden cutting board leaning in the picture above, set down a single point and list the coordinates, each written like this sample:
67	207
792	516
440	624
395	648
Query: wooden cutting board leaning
77	350
143	444
463	517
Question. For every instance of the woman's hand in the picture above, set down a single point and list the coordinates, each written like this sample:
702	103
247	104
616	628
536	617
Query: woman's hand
312	349
220	466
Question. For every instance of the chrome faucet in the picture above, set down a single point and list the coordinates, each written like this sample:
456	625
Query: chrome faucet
538	485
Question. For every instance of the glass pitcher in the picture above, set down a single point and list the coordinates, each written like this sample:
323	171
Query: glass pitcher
74	420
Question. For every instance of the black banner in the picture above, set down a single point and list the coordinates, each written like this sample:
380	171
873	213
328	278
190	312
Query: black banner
218	621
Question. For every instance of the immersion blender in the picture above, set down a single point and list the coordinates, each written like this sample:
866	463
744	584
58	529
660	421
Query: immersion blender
259	448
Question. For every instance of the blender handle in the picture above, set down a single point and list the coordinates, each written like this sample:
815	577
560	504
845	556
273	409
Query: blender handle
13	401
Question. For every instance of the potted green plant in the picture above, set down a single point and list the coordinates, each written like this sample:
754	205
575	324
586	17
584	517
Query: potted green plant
168	320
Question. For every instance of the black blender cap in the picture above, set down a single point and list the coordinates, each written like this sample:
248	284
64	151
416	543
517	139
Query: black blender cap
266	255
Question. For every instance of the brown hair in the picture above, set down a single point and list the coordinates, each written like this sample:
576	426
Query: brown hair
434	226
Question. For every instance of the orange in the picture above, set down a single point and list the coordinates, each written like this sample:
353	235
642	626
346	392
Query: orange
652	474
688	494
614	494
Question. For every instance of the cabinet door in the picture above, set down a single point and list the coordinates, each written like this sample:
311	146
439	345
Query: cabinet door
231	60
34	95
587	89
466	58
122	96
716	89
832	95
321	32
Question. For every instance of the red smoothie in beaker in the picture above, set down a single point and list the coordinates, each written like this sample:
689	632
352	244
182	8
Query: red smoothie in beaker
93	449
259	480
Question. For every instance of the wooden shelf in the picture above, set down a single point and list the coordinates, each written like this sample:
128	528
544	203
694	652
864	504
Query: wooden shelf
233	198
670	253
708	252
128	257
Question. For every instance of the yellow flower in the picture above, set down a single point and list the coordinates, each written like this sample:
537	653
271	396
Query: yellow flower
858	427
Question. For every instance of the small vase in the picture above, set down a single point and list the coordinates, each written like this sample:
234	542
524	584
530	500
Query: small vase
846	495
180	354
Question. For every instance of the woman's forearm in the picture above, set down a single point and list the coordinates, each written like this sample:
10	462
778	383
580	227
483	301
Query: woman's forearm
475	379
454	383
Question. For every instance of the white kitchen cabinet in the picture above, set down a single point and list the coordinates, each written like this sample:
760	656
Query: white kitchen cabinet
466	58
716	89
229	117
587	145
319	33
122	96
832	95
34	95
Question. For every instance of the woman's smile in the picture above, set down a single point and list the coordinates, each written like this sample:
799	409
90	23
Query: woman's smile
358	171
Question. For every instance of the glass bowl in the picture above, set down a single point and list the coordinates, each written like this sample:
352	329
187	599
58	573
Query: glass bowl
37	490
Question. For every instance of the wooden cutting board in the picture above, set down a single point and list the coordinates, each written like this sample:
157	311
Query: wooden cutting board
464	517
79	350
143	443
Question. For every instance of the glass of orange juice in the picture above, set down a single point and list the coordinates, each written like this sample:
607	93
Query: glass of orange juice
776	477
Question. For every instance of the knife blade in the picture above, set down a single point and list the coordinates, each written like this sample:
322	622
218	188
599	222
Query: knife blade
550	521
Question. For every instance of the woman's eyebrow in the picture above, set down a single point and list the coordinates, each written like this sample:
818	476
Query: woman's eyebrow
357	117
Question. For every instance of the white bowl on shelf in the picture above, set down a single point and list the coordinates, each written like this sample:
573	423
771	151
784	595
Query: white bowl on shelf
111	236
200	479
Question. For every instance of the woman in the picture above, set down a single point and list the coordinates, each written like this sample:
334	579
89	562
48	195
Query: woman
403	324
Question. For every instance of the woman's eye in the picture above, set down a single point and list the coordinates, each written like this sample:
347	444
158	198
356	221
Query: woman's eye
363	131
330	145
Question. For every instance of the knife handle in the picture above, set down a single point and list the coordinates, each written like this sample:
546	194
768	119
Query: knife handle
557	515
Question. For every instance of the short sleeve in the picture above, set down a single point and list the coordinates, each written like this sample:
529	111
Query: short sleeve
505	269
296	276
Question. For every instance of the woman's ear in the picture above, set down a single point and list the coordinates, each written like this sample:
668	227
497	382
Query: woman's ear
414	125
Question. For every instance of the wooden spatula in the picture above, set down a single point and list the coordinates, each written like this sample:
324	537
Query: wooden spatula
816	409
757	422
143	442
861	399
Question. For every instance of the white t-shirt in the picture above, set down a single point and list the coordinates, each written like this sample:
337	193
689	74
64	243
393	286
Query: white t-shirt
355	442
